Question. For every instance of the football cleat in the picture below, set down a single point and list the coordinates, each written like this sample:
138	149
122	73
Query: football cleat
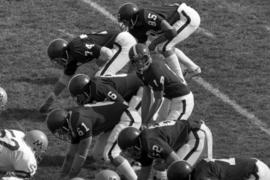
179	170
38	142
57	52
3	98
139	55
107	174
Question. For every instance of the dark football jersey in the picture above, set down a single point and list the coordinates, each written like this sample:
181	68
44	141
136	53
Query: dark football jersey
86	47
225	169
91	121
148	21
160	139
120	88
161	78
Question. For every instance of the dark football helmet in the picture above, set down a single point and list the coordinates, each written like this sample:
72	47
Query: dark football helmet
57	123
179	170
139	55
57	51
129	141
126	14
78	88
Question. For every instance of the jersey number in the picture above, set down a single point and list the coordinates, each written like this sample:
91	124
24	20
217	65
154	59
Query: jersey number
7	142
152	18
82	129
112	95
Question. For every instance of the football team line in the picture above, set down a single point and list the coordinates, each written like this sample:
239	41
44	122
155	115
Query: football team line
216	92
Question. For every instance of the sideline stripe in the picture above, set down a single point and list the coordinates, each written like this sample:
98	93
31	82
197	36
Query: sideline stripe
242	111
253	119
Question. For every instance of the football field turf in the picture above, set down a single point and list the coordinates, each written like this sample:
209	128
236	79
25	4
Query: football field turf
232	48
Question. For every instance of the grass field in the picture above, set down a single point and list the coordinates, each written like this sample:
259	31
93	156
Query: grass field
234	60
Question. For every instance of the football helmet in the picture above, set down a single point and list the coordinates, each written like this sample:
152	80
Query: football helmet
107	174
57	52
57	123
38	142
78	88
126	14
179	170
129	141
3	98
77	178
139	55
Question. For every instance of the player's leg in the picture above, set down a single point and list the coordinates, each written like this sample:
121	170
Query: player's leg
112	151
263	170
195	149
123	42
181	107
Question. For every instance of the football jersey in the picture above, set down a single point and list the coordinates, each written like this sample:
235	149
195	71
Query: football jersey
160	139
148	21
161	78
16	157
86	47
225	169
120	88
86	121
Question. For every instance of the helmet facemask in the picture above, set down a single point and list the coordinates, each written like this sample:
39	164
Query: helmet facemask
141	62
134	151
64	133
61	62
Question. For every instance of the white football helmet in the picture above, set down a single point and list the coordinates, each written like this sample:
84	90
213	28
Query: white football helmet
107	174
3	98
77	178
38	142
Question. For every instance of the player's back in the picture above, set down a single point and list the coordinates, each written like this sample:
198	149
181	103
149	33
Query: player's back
127	86
225	169
175	133
100	117
15	153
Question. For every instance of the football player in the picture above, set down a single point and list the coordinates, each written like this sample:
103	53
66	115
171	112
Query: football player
157	76
20	153
80	124
125	89
166	142
165	27
3	99
109	46
220	169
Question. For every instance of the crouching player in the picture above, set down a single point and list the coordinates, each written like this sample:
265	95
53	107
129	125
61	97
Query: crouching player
235	168
102	120
163	143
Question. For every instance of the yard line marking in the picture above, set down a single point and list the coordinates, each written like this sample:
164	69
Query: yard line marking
253	119
242	111
107	14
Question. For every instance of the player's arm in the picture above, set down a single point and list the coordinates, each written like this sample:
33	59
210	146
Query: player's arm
80	156
146	103
171	158
73	148
154	108
58	88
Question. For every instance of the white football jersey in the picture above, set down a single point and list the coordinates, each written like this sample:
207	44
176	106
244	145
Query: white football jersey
16	157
